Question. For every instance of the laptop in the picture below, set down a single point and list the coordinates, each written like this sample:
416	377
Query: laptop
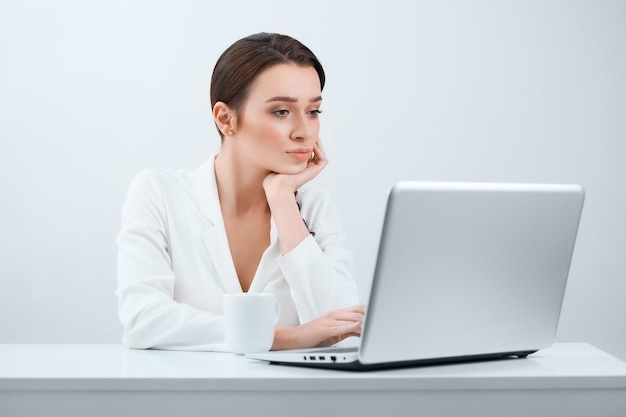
465	271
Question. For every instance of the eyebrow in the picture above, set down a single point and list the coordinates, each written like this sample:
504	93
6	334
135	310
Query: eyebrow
291	99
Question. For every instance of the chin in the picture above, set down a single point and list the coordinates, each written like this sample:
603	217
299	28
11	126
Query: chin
290	169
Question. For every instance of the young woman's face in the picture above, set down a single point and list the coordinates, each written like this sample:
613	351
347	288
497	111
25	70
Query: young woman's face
279	124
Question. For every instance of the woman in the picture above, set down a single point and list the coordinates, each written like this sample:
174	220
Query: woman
242	221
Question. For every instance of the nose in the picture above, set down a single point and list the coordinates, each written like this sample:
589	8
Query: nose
300	129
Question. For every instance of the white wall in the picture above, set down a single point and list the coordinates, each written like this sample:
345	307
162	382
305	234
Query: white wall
91	92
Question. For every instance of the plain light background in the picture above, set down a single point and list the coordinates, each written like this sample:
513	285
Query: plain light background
93	91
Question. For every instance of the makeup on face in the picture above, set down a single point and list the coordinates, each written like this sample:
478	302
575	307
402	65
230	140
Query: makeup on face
280	119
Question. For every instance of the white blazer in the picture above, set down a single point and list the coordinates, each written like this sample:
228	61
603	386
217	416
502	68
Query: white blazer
174	262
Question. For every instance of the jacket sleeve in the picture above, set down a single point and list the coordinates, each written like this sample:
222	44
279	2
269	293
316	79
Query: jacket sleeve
319	269
149	314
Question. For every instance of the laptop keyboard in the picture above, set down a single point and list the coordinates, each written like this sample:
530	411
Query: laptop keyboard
338	350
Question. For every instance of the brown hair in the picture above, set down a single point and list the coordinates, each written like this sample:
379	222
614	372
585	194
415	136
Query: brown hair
244	60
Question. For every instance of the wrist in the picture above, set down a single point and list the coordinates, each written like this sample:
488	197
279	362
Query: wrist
278	184
286	338
278	194
285	211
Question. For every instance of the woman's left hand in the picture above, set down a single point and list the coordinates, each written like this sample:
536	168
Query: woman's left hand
292	182
280	191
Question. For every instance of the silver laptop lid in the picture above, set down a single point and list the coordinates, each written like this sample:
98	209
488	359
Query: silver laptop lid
470	269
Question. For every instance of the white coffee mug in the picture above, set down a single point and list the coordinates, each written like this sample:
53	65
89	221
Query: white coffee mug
249	320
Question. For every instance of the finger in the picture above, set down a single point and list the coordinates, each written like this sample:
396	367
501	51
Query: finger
312	170
317	162
347	335
348	316
357	307
320	145
318	150
353	327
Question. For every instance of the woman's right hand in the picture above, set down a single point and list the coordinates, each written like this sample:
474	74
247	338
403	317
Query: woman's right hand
326	330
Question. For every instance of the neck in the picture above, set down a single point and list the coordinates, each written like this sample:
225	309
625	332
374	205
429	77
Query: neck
239	185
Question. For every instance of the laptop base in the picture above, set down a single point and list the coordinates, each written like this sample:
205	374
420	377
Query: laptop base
361	367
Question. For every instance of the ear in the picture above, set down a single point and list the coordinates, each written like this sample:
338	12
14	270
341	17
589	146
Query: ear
225	118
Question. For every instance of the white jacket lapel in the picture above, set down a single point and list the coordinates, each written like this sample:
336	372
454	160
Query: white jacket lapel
215	239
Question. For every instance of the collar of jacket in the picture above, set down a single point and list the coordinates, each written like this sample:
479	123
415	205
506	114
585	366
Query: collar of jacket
208	196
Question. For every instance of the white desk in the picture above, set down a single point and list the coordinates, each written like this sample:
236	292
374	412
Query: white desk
109	380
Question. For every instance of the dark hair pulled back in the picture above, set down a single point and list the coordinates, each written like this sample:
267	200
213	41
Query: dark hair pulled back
244	60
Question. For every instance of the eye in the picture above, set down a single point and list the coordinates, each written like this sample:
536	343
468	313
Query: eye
281	112
315	113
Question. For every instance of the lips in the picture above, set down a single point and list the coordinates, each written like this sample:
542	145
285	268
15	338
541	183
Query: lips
303	154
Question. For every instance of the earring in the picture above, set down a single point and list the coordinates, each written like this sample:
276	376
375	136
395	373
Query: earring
230	132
